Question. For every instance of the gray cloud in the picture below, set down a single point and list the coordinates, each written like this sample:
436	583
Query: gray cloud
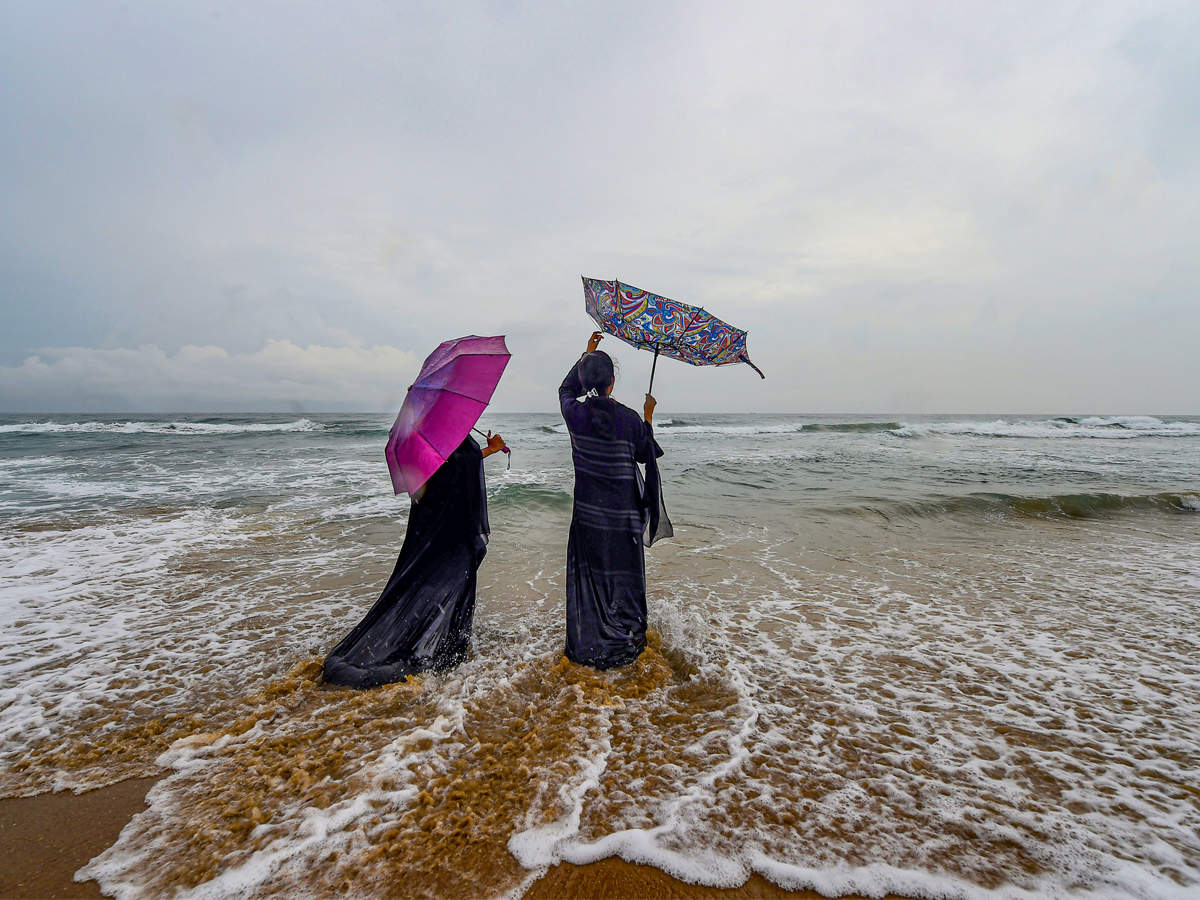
956	207
278	376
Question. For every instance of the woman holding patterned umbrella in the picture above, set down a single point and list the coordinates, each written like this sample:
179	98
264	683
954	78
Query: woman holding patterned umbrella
613	509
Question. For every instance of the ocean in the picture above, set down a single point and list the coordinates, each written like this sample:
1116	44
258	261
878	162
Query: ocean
952	656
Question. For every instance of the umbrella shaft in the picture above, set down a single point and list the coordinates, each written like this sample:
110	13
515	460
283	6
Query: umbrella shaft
654	365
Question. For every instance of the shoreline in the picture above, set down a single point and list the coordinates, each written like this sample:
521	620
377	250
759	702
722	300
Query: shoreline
46	838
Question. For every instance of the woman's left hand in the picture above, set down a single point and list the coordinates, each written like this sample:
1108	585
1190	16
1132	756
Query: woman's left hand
594	341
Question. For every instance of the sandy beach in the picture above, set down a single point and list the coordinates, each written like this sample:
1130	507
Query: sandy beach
46	838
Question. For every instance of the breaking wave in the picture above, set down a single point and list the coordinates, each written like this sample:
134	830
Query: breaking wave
141	427
683	426
1062	427
853	427
1068	506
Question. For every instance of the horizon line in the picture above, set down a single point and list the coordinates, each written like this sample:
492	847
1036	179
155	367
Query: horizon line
367	412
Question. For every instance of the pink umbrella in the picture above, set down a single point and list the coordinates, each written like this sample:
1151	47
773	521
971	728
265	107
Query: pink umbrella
443	404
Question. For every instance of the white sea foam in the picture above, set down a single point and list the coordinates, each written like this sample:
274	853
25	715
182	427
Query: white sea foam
129	614
517	476
1110	427
752	429
1116	427
375	505
146	427
20	464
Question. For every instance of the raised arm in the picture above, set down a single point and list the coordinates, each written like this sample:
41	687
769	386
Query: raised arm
571	388
645	447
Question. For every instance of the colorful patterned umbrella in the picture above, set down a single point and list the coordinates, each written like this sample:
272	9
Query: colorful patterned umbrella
652	322
449	395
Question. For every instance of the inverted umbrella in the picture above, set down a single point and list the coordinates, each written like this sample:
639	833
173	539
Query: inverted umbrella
649	321
443	404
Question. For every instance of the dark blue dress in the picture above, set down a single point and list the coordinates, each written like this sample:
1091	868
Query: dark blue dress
616	511
422	620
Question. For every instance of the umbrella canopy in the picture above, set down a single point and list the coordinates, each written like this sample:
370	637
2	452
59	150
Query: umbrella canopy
443	404
653	322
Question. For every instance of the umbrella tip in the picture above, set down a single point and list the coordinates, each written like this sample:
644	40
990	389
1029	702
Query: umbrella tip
744	358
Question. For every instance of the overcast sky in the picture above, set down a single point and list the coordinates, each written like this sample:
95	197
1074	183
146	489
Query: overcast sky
911	207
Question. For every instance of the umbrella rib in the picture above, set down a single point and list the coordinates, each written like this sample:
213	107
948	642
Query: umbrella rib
428	443
455	359
443	390
475	353
417	433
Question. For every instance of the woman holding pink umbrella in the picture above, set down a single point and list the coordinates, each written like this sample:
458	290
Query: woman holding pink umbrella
422	620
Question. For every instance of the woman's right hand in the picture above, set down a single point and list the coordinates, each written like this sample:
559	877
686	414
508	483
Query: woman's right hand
594	341
649	407
495	443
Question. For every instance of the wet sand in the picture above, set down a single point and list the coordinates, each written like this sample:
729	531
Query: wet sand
45	839
615	879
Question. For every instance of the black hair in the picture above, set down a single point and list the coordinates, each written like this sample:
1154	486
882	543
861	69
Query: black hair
596	371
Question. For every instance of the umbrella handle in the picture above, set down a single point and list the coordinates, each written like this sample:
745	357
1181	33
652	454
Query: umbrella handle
506	450
650	390
744	358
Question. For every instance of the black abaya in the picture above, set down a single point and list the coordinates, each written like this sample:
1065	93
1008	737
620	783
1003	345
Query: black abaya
422	620
614	508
